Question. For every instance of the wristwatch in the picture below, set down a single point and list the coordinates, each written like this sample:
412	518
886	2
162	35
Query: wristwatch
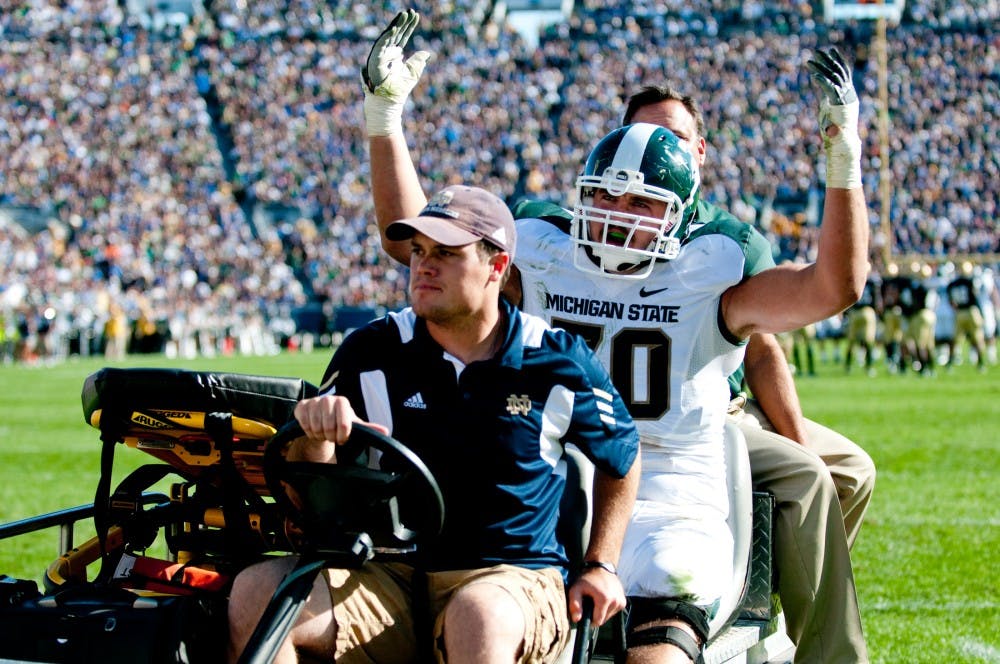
607	567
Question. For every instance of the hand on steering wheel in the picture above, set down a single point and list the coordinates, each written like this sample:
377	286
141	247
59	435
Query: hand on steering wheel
397	505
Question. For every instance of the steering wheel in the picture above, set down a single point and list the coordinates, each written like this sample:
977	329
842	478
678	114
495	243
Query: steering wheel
396	505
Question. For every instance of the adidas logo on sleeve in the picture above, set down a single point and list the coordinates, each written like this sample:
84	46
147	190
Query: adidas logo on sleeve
416	401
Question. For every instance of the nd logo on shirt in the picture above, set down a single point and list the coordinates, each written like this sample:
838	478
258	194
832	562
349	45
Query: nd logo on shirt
518	404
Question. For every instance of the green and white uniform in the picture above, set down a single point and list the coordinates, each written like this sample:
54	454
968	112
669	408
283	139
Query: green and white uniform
670	359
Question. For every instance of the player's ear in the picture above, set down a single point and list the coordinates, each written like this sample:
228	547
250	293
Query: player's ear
499	263
700	148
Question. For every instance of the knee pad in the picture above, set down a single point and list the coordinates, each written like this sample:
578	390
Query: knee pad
645	610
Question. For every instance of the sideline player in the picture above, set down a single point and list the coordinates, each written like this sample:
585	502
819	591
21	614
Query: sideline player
895	287
964	299
919	303
816	548
862	326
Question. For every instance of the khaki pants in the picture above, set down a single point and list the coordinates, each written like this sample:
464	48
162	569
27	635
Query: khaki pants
920	330
969	325
861	326
821	492
892	326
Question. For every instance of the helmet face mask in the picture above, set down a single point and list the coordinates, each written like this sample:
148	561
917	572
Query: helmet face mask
641	160
610	236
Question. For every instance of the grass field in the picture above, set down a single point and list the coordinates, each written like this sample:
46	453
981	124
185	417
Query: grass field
927	561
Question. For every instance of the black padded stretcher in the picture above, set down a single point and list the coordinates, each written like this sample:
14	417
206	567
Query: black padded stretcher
167	413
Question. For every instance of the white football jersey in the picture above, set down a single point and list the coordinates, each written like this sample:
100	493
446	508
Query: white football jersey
661	340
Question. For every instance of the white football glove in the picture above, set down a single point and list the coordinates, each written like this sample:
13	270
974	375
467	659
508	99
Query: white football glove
838	108
388	79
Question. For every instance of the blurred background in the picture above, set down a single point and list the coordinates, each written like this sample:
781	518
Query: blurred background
190	178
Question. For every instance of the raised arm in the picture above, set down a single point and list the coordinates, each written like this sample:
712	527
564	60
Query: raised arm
388	80
790	296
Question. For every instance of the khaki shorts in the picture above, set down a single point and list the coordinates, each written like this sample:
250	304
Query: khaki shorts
373	610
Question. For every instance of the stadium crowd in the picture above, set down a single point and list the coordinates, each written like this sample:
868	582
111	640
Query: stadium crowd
211	177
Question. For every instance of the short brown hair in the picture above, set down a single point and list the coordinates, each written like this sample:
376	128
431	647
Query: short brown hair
652	94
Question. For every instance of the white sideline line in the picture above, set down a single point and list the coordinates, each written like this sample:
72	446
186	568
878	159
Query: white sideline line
974	523
982	651
930	606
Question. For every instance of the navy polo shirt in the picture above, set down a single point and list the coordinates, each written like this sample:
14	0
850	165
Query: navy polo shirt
491	432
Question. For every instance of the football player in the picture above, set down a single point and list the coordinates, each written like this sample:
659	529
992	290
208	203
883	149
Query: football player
894	285
919	302
989	300
671	340
813	472
964	299
862	325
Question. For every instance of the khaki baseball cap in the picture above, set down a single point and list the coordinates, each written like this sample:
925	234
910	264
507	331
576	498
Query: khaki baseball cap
459	215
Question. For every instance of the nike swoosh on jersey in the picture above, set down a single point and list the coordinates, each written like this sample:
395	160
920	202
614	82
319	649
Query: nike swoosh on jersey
646	293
